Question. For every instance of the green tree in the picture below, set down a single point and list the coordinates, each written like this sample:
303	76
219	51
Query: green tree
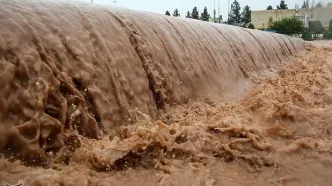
235	15
319	5
327	34
330	26
251	26
288	26
269	7
282	5
220	19
195	13
246	15
205	16
188	15
176	13
270	23
316	27
214	16
304	5
167	13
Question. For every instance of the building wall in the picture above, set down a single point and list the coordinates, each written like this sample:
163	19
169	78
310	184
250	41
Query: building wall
260	18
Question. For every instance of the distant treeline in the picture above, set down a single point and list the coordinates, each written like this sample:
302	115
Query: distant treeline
283	5
235	17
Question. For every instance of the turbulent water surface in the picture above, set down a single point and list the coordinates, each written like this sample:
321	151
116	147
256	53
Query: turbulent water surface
91	95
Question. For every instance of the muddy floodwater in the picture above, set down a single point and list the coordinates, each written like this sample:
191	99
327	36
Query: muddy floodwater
101	96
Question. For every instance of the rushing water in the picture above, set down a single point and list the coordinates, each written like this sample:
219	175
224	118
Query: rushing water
73	72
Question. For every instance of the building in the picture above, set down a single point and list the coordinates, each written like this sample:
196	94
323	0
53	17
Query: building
260	18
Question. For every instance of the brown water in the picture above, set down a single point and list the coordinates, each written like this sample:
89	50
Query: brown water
102	96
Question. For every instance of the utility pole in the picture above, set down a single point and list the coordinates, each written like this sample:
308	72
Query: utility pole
214	11
229	4
306	18
91	1
219	11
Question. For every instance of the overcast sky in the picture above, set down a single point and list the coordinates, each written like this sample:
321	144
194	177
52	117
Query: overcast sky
160	6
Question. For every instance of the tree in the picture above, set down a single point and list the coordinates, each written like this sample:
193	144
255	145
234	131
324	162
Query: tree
214	16
269	7
205	16
195	13
251	26
220	19
319	5
282	5
176	13
304	5
188	15
316	27
167	13
246	15
270	23
330	26
329	4
288	26
234	15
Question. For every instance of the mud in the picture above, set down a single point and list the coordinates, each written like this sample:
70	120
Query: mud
91	95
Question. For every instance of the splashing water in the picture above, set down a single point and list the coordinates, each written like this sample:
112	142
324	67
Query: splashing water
86	88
